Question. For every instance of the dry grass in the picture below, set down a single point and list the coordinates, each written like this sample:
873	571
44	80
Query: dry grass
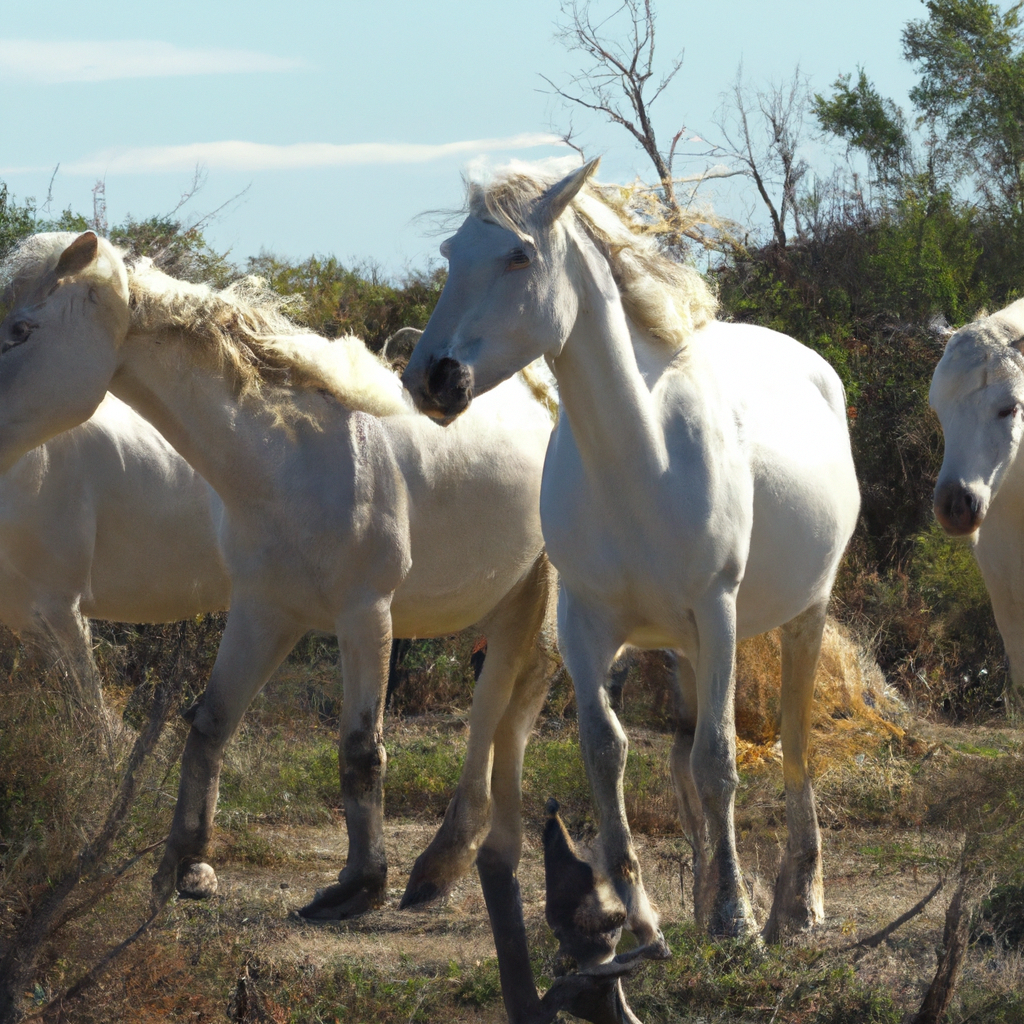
898	797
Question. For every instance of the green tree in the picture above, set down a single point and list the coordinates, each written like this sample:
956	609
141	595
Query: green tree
870	123
336	300
971	94
178	249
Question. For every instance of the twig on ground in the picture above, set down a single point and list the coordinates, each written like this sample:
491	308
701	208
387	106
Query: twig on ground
871	941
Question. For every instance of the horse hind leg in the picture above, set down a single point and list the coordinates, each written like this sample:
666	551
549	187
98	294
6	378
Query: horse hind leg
512	686
799	893
691	814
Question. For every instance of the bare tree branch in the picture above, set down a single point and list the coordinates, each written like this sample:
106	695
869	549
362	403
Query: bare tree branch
621	64
762	134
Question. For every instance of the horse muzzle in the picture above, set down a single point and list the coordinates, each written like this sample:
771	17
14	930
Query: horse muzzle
958	509
443	391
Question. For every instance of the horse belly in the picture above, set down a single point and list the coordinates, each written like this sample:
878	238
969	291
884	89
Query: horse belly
465	559
157	559
474	509
803	520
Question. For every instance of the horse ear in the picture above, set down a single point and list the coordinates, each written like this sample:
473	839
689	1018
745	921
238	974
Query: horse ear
78	255
562	193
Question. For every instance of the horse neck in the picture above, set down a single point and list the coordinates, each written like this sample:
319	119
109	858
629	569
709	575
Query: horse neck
196	409
601	390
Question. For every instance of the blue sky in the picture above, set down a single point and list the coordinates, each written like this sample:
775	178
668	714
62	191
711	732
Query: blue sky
343	121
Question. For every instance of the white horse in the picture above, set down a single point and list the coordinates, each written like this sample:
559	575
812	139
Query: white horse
978	392
344	511
698	488
105	521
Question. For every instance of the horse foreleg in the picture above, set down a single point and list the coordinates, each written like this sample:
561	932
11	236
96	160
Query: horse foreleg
713	764
364	640
256	640
799	895
588	649
691	814
508	679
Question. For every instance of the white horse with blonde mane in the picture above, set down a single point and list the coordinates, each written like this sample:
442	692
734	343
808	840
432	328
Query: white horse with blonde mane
978	392
344	511
698	488
104	521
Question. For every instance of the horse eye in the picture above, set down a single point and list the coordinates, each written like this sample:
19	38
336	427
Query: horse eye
17	334
1010	410
517	260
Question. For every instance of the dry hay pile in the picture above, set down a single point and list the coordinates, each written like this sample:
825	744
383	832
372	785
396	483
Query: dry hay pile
854	709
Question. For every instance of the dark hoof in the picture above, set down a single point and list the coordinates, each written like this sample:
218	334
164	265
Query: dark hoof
418	895
339	902
197	882
657	950
595	997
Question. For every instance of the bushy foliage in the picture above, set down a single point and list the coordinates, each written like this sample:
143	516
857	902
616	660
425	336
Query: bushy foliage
882	271
17	220
177	249
335	300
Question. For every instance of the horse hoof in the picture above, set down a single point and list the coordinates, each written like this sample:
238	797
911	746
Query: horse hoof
419	895
197	882
657	950
162	886
339	903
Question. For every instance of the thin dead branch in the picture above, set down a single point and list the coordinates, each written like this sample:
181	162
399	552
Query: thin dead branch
877	938
55	909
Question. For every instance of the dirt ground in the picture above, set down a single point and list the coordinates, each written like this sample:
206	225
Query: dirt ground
864	892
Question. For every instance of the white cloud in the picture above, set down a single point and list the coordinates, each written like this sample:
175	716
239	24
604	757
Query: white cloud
29	60
257	156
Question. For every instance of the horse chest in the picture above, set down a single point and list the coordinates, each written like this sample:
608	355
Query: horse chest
655	548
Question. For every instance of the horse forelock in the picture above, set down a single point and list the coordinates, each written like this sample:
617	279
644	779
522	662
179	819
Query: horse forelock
246	329
29	272
980	354
664	298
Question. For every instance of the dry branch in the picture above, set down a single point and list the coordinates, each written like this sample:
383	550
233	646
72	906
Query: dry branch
19	953
877	938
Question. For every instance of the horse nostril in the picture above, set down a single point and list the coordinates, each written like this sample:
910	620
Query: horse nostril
440	374
449	385
958	509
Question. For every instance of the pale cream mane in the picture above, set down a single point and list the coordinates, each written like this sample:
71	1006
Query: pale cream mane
245	328
668	300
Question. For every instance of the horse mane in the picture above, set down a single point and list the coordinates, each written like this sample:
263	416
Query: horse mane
245	327
667	299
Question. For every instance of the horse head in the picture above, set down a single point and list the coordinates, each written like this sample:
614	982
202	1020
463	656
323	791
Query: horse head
977	391
506	301
53	378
